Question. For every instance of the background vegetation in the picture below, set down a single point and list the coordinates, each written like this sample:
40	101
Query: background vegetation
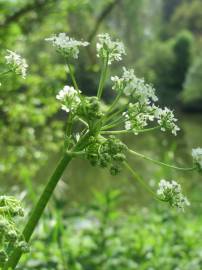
89	224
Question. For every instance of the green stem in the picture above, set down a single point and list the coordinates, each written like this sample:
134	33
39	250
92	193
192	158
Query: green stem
140	180
125	131
114	103
76	86
83	121
159	162
111	116
73	77
102	78
114	123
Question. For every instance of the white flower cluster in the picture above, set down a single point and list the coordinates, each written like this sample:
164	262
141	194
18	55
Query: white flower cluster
197	157
166	120
69	98
134	87
171	192
138	116
16	63
67	46
143	110
106	48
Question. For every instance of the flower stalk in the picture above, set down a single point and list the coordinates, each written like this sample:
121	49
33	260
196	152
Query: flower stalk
102	78
160	162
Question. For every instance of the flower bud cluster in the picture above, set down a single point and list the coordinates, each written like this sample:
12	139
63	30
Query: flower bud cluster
91	111
10	208
197	157
16	63
69	98
108	49
66	46
171	192
107	154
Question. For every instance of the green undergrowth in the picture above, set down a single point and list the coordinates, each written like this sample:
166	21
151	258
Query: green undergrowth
104	236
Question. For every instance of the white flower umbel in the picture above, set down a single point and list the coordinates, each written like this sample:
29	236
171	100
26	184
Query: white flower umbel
106	48
69	98
133	87
171	192
197	157
166	120
16	63
67	46
138	116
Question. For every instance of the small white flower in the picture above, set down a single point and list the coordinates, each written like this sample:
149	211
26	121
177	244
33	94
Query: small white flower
197	157
171	192
166	120
67	46
16	63
138	116
67	91
134	87
128	125
69	98
106	48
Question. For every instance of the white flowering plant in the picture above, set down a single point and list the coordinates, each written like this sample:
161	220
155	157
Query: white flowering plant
134	108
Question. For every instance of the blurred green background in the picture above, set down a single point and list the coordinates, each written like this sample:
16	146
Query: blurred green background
97	221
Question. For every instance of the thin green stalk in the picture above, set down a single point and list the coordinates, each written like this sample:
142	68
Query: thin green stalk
109	117
140	180
102	78
159	162
114	122
114	132
114	103
73	77
76	85
124	131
